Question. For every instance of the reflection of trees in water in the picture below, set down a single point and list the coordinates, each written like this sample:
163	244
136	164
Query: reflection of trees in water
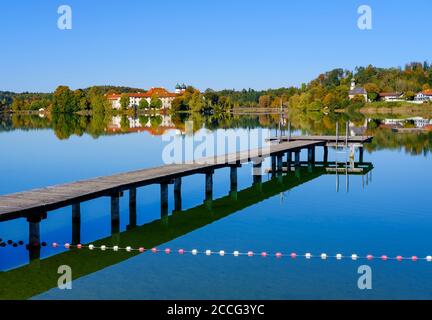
413	143
65	125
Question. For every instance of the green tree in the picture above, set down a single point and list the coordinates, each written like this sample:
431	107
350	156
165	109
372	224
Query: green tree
155	103
124	101
64	100
143	104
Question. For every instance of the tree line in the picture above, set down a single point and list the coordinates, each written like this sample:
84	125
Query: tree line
328	91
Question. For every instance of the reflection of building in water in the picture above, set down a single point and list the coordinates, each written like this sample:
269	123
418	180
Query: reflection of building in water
155	125
419	122
162	94
358	130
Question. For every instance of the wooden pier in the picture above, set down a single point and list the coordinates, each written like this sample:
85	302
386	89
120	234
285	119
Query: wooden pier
35	204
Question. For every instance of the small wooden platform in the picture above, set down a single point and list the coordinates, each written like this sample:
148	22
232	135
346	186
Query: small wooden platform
50	198
327	139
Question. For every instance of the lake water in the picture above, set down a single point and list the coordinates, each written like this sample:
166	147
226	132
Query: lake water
384	211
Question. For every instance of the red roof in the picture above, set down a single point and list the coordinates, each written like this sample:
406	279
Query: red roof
427	92
158	92
390	94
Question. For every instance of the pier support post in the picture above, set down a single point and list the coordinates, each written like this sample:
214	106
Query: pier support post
289	160
325	157
233	181
256	171
34	244
233	178
273	164
361	154
279	163
115	213
311	155
297	158
209	188
164	199
177	194
76	223
132	209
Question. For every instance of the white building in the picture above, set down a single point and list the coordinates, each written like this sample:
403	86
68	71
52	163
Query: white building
357	91
425	95
162	94
391	96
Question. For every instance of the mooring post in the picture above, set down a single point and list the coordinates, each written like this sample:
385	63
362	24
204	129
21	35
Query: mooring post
132	209
115	213
325	157
164	199
76	223
361	154
177	194
297	158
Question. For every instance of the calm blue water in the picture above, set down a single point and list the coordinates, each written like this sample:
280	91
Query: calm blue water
387	212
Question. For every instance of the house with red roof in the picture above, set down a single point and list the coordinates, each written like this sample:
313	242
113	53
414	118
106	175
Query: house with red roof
162	94
425	95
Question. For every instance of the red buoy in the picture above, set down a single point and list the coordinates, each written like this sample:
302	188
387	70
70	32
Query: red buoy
369	257
384	257
250	253
79	246
141	249
293	255
399	258
154	250
167	250
414	258
278	254
264	254
181	251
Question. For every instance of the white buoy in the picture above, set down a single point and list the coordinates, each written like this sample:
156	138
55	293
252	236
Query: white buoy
236	253
323	256
354	256
128	249
208	252
194	252
91	247
222	253
308	255
115	248
338	256
429	258
103	247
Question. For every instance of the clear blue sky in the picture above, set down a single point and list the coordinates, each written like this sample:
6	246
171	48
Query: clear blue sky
206	43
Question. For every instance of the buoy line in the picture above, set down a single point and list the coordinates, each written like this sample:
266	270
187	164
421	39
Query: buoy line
292	255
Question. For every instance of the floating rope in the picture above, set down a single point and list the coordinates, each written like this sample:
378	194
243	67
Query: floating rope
293	255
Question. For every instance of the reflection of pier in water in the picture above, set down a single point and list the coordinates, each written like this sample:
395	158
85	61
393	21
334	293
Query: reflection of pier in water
41	275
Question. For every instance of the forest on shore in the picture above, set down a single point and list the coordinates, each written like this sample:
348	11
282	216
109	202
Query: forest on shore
329	91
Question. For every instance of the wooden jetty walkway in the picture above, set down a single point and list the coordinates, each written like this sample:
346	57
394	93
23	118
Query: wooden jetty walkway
34	204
